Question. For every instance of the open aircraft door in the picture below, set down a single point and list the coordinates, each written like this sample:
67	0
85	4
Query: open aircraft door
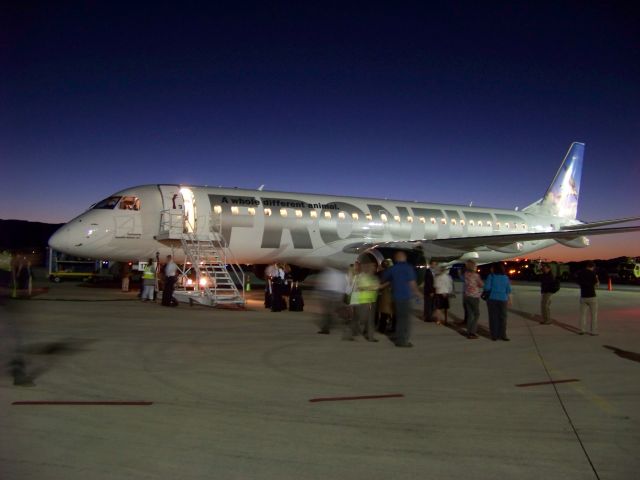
179	209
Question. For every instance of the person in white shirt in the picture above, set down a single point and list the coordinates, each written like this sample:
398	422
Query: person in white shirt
443	285
170	278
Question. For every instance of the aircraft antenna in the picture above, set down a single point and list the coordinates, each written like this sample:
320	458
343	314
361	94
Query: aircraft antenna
261	187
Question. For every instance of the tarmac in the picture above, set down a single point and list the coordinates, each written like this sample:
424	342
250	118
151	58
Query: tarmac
150	392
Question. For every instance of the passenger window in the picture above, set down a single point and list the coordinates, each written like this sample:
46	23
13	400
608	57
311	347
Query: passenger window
235	210
130	203
462	222
410	219
396	218
488	224
423	220
443	221
283	212
298	213
252	211
107	204
341	215
267	212
471	223
453	221
217	209
327	215
354	216
368	216
383	217
433	221
313	214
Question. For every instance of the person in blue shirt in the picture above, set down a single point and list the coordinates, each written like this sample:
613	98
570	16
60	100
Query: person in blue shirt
402	278
499	289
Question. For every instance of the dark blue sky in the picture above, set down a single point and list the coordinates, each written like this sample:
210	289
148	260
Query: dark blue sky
445	101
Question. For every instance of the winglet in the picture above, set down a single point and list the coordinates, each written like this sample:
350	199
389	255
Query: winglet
561	198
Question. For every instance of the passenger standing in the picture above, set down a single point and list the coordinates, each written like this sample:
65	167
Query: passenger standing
363	301
499	290
471	298
148	281
402	278
429	291
386	319
548	286
269	273
277	290
170	279
588	281
443	286
332	285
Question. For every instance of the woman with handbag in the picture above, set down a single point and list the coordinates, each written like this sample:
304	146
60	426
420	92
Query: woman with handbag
497	290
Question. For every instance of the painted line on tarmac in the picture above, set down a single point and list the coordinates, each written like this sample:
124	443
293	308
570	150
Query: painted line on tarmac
51	402
535	384
362	397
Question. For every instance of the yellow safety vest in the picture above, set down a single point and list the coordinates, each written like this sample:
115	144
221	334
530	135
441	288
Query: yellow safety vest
365	289
149	273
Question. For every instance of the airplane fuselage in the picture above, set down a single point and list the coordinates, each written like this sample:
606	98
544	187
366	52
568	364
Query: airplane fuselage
303	229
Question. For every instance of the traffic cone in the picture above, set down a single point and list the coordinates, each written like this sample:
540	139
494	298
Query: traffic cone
610	287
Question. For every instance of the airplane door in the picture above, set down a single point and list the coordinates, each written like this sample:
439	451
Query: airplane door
171	197
179	208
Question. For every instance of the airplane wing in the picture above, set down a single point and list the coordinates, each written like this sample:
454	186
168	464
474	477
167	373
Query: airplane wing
601	223
456	246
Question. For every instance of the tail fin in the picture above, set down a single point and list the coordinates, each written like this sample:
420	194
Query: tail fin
561	199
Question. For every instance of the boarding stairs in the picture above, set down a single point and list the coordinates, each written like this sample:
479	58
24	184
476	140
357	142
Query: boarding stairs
219	279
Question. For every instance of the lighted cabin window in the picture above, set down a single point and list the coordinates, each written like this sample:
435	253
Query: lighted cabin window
410	219
433	220
354	216
107	204
383	217
251	211
217	209
313	214
462	222
479	223
283	212
524	226
368	216
235	210
267	212
507	226
454	221
443	221
130	203
497	225
423	220
298	213
327	214
341	216
471	223
488	223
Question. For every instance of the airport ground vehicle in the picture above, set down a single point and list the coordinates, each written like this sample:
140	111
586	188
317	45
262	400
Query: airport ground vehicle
64	267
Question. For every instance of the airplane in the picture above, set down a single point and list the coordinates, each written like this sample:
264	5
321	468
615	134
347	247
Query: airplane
311	231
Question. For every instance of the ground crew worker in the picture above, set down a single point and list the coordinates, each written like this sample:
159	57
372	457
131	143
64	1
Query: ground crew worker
363	301
148	281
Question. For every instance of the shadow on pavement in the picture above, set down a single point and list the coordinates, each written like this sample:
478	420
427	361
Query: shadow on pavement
624	353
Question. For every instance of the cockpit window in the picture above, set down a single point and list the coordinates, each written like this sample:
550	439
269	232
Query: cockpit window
130	203
107	204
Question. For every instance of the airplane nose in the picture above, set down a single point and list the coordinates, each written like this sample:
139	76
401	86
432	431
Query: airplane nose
60	239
